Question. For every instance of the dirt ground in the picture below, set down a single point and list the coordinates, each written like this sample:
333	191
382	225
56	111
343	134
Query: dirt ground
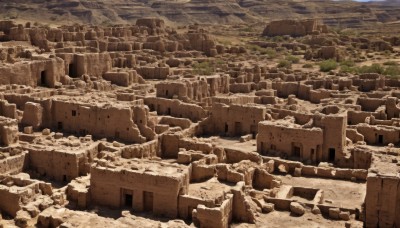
341	193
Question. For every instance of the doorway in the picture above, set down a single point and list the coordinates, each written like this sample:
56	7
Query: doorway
332	154
43	78
253	131
60	126
128	200
72	71
296	151
380	139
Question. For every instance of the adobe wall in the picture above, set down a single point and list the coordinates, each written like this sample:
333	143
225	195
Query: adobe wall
216	217
217	84
22	191
14	164
108	185
233	120
9	202
43	72
175	108
93	64
319	172
356	117
121	78
379	134
8	131
300	118
187	203
61	165
370	104
144	150
273	137
182	90
173	122
33	114
382	202
239	100
392	110
8	110
171	143
108	121
151	72
334	135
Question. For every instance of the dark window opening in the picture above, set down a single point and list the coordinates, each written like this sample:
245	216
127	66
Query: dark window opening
226	128
332	154
73	113
169	111
59	125
166	93
43	78
72	71
128	200
380	139
296	151
64	178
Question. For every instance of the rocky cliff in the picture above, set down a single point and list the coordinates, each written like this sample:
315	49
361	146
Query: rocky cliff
338	13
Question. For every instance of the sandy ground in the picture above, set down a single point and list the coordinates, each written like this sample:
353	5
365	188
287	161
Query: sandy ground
234	143
342	193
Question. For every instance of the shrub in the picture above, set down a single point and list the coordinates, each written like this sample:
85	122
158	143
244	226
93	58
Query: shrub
347	62
390	63
374	68
328	65
284	64
292	59
348	69
308	65
277	39
270	52
393	71
204	68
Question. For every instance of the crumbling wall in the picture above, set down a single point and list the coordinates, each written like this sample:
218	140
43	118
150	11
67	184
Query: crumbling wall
217	217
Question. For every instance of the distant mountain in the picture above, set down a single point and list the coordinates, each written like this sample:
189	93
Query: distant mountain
340	13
